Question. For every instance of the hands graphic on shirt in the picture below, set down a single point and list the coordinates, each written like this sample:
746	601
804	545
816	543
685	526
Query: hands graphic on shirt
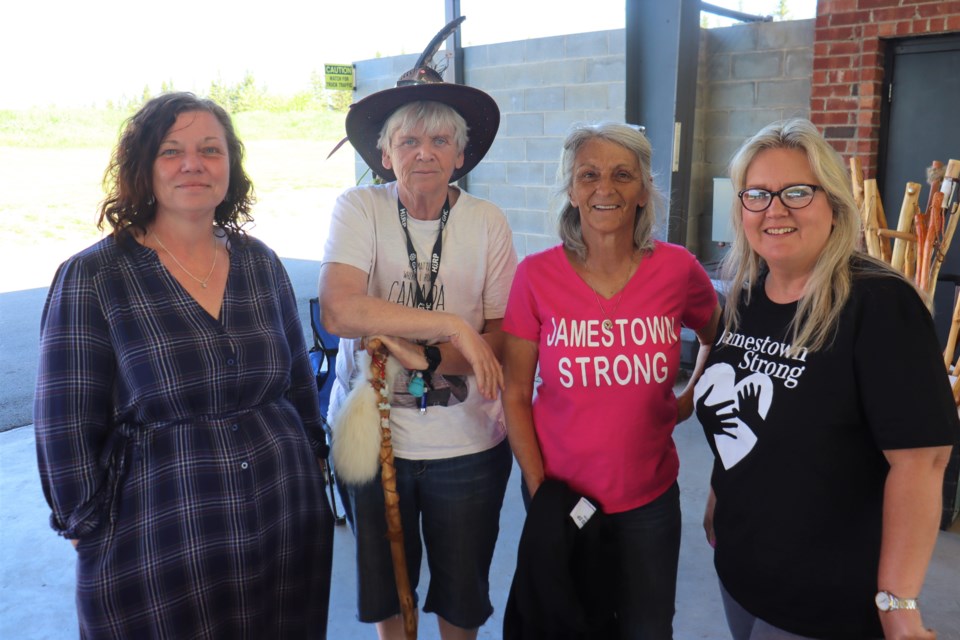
747	410
748	406
732	412
710	417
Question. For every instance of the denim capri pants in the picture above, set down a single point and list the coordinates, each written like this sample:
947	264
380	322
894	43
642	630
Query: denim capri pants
450	506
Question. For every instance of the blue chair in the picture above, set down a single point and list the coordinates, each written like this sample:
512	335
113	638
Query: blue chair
323	358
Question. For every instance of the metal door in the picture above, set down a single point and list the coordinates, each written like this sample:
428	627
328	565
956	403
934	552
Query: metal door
921	123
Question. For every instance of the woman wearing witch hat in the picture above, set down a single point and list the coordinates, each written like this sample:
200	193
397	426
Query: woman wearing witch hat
427	268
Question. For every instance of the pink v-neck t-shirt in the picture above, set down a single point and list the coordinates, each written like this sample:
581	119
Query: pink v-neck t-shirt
604	409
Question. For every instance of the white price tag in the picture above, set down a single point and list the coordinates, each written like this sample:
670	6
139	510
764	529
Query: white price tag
582	512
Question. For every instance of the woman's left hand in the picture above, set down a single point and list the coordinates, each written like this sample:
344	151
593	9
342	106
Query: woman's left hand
486	367
904	624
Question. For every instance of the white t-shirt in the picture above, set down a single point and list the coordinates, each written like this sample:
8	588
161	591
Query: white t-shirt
476	270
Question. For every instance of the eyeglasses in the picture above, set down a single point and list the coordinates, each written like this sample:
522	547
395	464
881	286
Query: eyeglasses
793	197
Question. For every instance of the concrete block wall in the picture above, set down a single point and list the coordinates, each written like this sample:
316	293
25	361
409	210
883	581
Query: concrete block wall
543	87
749	75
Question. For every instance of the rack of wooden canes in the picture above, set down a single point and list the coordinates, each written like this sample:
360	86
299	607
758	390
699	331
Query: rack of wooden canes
917	248
920	242
921	239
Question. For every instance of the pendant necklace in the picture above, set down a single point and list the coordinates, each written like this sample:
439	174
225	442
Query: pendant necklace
608	321
203	283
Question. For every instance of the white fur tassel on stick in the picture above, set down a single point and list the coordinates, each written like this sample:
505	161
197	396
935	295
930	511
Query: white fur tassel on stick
356	425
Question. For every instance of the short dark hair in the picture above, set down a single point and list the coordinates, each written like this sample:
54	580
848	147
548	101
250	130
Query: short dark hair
128	180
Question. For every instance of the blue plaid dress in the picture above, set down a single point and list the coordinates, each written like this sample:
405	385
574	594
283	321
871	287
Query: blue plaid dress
181	449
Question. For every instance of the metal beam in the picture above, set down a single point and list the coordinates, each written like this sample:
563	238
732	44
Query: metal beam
735	15
454	46
662	51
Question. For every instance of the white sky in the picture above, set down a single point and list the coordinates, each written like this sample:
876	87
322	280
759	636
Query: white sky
72	53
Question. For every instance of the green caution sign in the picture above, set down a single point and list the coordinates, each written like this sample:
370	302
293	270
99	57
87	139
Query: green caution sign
338	76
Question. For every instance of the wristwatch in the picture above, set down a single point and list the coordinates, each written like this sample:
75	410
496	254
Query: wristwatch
886	601
432	354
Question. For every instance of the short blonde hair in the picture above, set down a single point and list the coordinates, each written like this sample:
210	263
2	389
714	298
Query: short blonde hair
434	116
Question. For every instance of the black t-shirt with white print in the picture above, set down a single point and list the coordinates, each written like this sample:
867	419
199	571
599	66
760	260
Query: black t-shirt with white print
798	439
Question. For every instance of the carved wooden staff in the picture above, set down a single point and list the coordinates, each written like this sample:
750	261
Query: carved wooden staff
941	226
907	212
391	499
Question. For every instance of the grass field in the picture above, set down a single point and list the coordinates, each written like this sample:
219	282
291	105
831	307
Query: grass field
52	164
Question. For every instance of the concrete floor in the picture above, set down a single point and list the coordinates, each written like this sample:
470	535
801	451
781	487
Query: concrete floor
37	567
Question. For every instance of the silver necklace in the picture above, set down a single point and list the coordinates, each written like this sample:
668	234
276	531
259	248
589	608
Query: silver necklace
607	323
203	283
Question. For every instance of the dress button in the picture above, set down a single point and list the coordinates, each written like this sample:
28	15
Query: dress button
230	361
234	427
244	465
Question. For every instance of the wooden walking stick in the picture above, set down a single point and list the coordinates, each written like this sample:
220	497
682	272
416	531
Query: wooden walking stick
941	249
886	251
856	181
956	389
868	214
907	211
910	260
952	337
391	499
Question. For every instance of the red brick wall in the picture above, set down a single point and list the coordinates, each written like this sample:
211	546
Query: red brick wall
848	65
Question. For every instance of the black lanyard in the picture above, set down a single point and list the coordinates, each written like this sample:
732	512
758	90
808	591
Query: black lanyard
424	303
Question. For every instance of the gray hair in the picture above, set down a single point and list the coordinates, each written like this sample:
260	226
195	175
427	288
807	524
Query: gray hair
434	116
829	284
568	216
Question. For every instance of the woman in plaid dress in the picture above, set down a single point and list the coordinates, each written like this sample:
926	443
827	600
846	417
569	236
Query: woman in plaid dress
178	429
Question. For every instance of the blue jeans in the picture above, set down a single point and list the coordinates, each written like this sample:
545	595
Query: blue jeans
455	503
648	540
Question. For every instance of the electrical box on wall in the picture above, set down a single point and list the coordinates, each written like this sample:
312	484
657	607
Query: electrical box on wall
722	202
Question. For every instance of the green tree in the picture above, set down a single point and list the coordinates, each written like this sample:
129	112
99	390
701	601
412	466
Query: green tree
242	96
783	11
250	97
219	93
341	100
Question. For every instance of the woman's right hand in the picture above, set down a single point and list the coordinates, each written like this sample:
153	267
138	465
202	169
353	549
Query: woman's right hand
409	354
74	542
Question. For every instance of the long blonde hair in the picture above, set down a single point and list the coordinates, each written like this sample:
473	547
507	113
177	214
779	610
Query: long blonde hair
828	287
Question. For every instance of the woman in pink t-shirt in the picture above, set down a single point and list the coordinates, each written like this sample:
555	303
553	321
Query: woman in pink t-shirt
600	316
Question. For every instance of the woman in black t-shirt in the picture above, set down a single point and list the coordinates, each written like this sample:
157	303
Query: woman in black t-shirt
826	491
